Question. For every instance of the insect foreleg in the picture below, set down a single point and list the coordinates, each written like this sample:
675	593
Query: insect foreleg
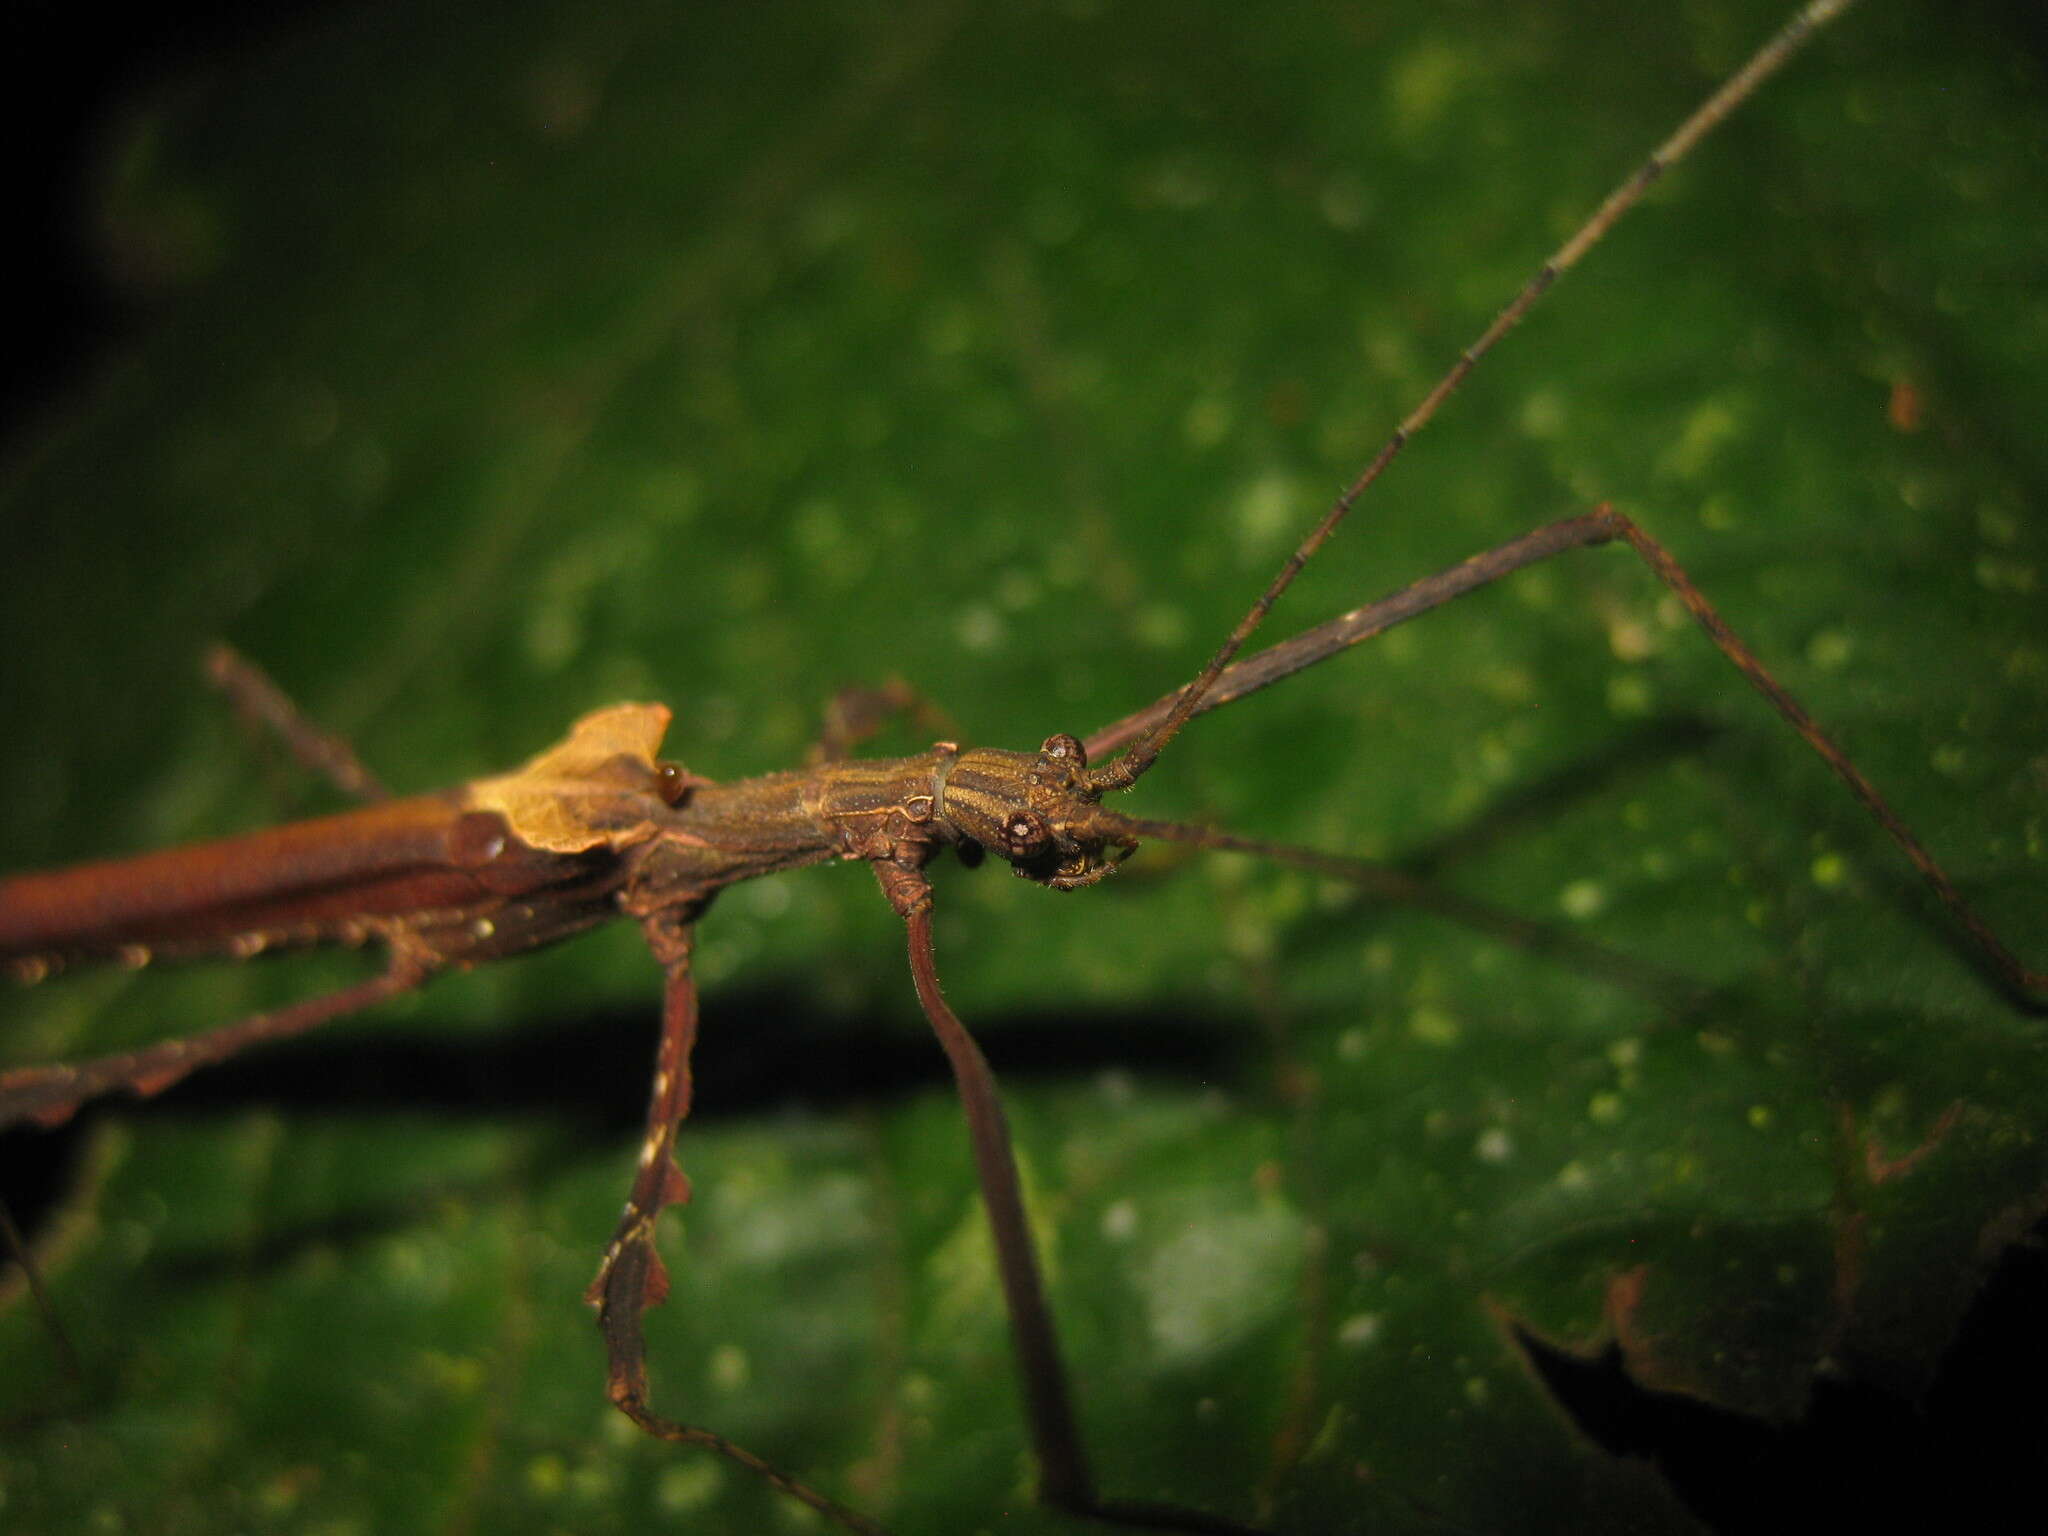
2020	981
1603	525
1765	62
1302	651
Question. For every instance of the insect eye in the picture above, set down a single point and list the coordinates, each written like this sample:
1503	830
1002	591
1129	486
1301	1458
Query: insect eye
1024	834
671	782
1067	748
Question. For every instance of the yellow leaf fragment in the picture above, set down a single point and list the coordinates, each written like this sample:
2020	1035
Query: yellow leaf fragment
595	788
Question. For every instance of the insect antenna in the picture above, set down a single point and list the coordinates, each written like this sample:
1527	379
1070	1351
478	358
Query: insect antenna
1772	56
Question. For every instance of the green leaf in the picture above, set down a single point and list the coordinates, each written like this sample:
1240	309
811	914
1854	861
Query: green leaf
507	363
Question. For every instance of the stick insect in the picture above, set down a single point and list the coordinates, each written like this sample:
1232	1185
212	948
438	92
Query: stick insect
1267	952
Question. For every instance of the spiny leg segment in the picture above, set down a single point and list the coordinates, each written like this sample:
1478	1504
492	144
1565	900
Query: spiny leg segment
632	1277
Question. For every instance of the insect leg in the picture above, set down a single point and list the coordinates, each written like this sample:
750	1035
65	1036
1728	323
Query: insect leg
1065	1482
2021	983
51	1094
14	1245
268	710
1302	651
631	1277
855	715
1604	524
1732	92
